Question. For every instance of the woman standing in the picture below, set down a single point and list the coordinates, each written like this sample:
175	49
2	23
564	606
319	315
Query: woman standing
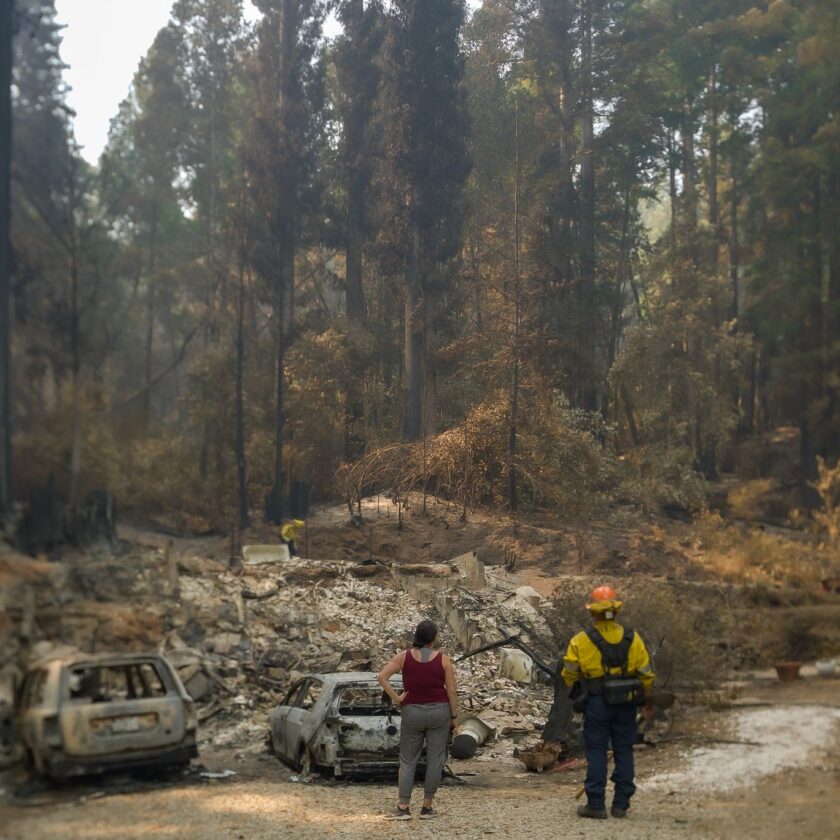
429	707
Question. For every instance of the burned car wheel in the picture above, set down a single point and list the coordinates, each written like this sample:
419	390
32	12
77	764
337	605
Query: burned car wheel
306	762
30	766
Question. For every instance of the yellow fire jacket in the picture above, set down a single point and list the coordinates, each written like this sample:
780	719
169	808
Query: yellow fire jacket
289	531
583	659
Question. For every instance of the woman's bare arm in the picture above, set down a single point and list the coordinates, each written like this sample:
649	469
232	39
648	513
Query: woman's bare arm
451	687
384	677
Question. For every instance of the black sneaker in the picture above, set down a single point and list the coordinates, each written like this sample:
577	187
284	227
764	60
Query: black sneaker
618	813
592	813
427	813
399	814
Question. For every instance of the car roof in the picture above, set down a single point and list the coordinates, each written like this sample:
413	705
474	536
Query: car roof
69	660
345	677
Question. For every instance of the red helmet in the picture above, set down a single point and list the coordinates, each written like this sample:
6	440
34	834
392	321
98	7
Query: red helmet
604	595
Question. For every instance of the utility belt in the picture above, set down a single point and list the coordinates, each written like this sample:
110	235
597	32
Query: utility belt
616	689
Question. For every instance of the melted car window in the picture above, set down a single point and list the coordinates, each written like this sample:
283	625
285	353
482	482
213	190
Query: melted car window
310	695
114	683
34	692
364	700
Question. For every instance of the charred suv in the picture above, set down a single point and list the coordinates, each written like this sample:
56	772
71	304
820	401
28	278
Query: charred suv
343	723
88	714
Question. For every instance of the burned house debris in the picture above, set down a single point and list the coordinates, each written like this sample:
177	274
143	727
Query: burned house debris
238	641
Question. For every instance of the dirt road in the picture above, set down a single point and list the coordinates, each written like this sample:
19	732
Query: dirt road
263	801
536	808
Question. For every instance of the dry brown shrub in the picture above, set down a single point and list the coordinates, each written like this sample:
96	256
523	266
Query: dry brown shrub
828	489
746	499
751	555
558	462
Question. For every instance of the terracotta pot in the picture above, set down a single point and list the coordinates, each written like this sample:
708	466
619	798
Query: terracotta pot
788	671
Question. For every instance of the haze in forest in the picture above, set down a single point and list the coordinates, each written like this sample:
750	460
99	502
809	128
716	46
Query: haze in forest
102	44
565	256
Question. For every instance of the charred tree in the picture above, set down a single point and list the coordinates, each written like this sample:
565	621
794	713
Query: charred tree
5	258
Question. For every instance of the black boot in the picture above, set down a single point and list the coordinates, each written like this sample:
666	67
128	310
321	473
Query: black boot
618	813
592	813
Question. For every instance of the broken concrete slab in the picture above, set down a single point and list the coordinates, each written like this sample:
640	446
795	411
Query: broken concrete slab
472	569
258	555
223	643
516	665
530	595
198	686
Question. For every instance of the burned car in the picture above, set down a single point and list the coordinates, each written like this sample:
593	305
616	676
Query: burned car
91	713
343	723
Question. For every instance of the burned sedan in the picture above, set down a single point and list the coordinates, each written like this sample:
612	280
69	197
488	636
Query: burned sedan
342	723
91	713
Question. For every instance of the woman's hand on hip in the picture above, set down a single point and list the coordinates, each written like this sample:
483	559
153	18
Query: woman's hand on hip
401	698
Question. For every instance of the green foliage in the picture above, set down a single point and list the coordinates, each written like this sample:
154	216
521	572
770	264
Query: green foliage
198	268
681	363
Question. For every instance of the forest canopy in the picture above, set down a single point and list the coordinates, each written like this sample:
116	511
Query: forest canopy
528	254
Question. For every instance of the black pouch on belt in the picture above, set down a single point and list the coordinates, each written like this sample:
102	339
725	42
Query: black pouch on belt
617	688
623	690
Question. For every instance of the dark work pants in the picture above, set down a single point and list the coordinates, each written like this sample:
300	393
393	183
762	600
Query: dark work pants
603	724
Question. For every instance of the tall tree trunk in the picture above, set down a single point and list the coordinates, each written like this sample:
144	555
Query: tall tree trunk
734	246
285	232
618	301
810	348
513	500
241	464
747	423
429	386
689	168
832	316
713	166
632	427
150	319
284	279
5	259
587	216
672	187
414	334
354	410
75	354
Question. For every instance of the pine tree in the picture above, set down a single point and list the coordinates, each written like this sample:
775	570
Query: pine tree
280	155
6	20
428	164
357	82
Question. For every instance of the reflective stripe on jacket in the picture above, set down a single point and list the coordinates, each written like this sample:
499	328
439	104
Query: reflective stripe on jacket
583	659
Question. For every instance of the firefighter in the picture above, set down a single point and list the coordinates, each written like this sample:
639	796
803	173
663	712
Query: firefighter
609	673
288	535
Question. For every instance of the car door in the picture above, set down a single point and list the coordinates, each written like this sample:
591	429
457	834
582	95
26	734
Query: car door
278	721
300	722
31	709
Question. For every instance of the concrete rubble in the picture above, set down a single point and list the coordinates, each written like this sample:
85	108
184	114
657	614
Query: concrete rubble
240	637
476	606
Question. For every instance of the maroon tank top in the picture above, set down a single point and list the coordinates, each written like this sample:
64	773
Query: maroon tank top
424	681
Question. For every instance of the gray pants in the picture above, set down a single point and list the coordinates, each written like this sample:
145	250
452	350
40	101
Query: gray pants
431	722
